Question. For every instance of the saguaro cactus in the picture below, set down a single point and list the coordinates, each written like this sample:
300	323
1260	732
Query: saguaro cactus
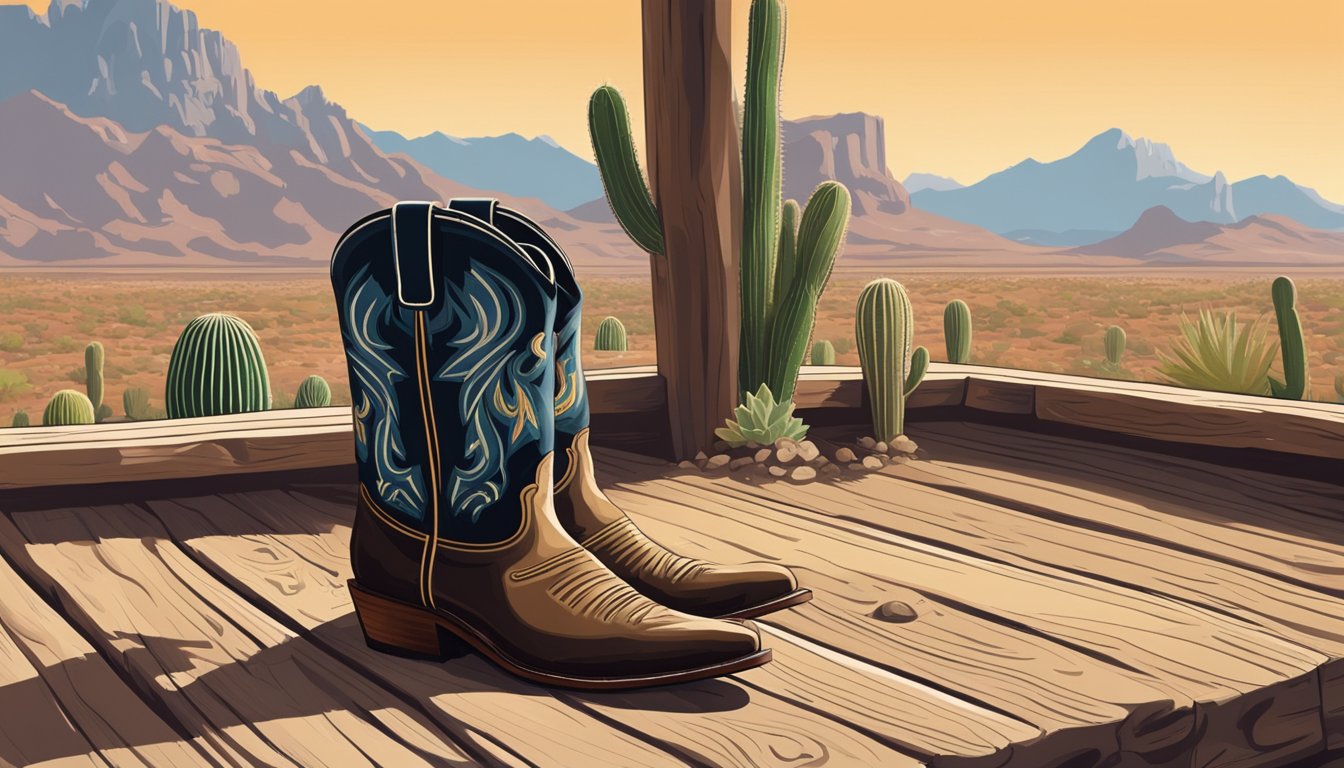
314	392
68	407
957	331
1115	345
217	368
610	336
93	377
892	366
786	252
823	353
1296	376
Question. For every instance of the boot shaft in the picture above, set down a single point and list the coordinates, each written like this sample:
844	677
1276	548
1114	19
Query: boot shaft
446	322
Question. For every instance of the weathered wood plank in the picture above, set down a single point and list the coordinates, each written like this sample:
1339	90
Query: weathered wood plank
292	542
1252	687
109	717
253	691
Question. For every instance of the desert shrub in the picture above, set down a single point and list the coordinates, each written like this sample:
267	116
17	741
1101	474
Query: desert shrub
12	384
133	314
10	342
1216	353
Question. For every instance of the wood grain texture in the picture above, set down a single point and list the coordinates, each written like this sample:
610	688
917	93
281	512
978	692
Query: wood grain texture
250	689
294	558
1244	700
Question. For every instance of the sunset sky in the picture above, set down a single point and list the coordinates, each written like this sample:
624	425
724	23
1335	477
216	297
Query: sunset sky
967	87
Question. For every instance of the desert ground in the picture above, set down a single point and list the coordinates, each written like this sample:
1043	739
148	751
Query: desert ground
1044	320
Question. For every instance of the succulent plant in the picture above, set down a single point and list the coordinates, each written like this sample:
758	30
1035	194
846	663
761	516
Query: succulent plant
610	336
135	404
314	392
1296	383
957	331
762	420
69	406
1216	353
823	353
20	419
1115	345
892	366
93	378
217	368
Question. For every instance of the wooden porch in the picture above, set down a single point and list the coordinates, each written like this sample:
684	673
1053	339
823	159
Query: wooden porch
1029	593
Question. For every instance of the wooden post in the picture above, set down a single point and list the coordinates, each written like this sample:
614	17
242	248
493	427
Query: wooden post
695	178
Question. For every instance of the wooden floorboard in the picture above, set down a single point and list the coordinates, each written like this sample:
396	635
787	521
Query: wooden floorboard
302	543
1251	688
251	689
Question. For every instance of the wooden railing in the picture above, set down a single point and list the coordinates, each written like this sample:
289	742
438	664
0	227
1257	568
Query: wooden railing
629	410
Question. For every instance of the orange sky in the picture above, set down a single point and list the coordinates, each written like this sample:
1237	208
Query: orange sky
966	86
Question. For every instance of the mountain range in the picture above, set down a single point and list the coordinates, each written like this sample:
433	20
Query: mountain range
1101	190
133	137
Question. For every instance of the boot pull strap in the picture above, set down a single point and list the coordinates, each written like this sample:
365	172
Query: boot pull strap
482	208
413	253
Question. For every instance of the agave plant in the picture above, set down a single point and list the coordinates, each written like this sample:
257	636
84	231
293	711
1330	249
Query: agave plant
1216	353
761	420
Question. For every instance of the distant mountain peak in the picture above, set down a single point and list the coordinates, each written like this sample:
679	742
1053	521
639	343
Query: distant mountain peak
917	182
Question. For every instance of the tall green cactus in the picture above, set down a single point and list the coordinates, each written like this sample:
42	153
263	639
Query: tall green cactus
20	419
627	191
314	392
610	336
823	353
93	377
957	331
217	368
69	406
884	326
1296	382
785	261
1115	345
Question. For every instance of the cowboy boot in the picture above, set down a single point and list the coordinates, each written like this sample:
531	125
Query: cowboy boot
683	583
447	330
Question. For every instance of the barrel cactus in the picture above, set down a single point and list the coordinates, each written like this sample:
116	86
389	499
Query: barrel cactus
93	378
787	251
20	419
1115	345
1296	383
610	336
69	406
823	353
957	331
313	393
217	368
892	366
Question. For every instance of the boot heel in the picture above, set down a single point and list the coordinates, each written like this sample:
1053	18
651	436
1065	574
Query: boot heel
394	627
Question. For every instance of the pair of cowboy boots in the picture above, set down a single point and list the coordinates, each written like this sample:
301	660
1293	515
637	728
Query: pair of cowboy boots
479	523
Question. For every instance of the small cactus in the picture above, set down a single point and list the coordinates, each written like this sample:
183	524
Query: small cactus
610	336
313	393
1296	383
217	368
1115	345
892	365
69	406
20	419
957	331
823	353
1339	388
93	377
135	404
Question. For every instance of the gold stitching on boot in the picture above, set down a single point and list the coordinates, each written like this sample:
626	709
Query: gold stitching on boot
572	467
431	440
547	565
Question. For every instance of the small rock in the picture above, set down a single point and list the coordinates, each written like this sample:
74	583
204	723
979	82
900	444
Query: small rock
856	466
869	462
845	455
830	469
881	447
819	461
717	461
701	456
808	450
760	470
785	452
778	471
900	459
721	446
867	442
737	464
752	445
896	612
763	455
803	474
687	465
904	444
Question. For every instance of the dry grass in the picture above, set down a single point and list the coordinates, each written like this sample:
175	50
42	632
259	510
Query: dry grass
1041	322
